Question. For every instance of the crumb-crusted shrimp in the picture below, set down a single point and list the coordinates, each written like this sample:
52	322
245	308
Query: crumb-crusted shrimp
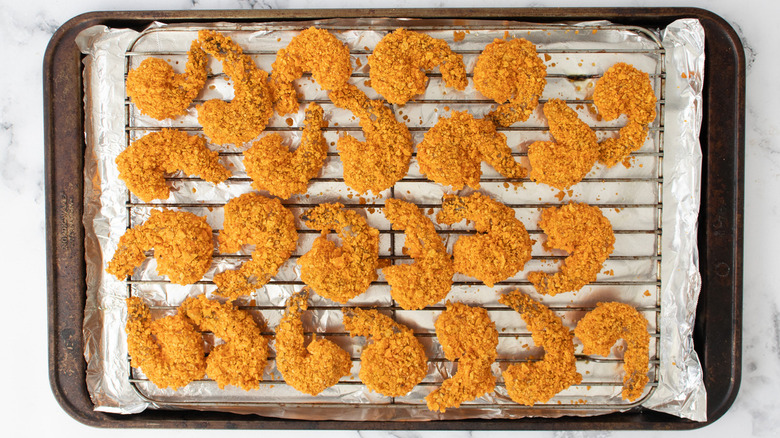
282	173
340	273
162	94
240	361
582	231
570	157
452	152
168	350
401	60
528	383
395	361
466	334
182	242
510	71
600	328
246	116
143	165
624	90
253	219
309	369
313	50
501	251
429	279
383	159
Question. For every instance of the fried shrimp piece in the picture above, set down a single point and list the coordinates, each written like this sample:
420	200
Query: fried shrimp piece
253	219
340	273
401	60
466	334
240	361
452	151
501	251
566	161
159	92
600	328
510	71
377	163
309	369
182	244
429	279
313	50
528	383
624	90
582	231
282	173
395	361
168	350
246	116
143	165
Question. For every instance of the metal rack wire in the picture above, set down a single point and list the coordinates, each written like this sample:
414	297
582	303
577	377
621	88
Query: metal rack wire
649	208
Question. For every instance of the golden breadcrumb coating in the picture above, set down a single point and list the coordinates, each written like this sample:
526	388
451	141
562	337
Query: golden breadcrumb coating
182	242
583	232
377	163
246	116
253	219
401	60
162	94
395	361
500	252
429	279
466	334
168	350
340	273
143	165
282	173
313	50
566	161
453	150
528	383
600	328
510	71
311	368
240	361
624	90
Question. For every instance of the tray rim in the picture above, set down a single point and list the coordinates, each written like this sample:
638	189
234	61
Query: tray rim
720	221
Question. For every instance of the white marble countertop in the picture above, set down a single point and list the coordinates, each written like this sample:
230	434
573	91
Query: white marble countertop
28	407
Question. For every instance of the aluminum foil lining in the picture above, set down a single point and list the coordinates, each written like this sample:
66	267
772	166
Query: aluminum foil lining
659	191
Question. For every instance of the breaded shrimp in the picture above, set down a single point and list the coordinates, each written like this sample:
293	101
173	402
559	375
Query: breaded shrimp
313	50
582	231
600	328
630	138
313	368
340	273
253	219
282	173
377	163
466	334
452	151
501	251
395	362
162	94
429	279
401	60
168	350
182	242
510	71
528	383
143	165
566	161
240	361
246	116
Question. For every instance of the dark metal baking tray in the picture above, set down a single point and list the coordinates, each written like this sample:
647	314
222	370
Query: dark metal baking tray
717	334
